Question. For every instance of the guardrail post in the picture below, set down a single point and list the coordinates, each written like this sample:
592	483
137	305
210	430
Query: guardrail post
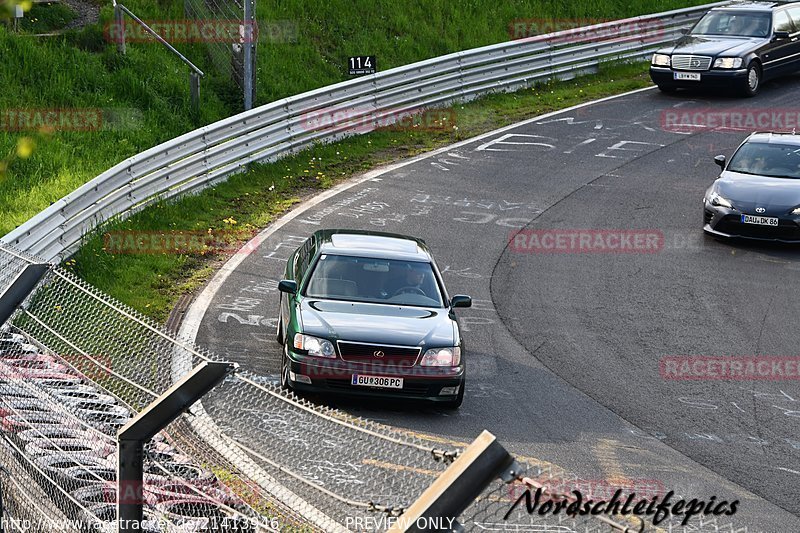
132	437
457	487
20	288
119	22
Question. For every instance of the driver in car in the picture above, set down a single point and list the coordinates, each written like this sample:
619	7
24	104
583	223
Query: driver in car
411	280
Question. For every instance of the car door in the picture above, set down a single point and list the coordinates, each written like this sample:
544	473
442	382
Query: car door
776	60
793	59
295	270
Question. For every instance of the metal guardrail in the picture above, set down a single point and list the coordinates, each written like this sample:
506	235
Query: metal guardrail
206	156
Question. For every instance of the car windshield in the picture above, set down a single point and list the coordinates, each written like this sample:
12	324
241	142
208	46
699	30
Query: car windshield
767	159
734	24
365	279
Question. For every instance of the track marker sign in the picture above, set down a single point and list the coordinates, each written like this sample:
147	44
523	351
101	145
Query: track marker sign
359	65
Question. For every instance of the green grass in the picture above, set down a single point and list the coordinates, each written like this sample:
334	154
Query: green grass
46	17
152	283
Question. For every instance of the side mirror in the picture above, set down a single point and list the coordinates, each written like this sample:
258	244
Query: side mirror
685	31
720	160
287	286
460	300
780	35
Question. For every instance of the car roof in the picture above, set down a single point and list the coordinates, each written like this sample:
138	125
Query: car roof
375	244
754	6
772	137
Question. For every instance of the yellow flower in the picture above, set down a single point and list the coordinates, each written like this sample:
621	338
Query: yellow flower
25	147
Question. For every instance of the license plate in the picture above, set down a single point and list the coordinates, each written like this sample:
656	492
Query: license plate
692	76
761	221
377	381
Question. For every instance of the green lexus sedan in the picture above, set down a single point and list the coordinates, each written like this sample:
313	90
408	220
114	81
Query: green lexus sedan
365	313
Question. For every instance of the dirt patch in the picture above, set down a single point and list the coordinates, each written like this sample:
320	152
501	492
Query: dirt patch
86	12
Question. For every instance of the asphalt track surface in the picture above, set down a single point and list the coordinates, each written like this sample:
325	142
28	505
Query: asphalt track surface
563	349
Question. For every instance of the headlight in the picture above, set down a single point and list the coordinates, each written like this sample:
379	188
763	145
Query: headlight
728	62
661	60
442	357
718	200
314	346
796	211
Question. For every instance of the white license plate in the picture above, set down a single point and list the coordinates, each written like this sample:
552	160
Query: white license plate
377	381
692	76
761	221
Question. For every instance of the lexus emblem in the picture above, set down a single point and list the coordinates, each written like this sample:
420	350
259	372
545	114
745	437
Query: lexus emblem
760	209
378	353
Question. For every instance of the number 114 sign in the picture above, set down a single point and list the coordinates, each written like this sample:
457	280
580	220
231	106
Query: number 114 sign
361	65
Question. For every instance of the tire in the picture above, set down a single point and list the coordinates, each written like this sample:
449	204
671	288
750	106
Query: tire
63	381
455	404
68	447
51	431
100	406
19	423
75	396
752	82
94	493
89	475
667	89
60	467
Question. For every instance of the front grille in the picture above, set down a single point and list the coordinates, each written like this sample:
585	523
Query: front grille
786	230
410	389
399	356
688	62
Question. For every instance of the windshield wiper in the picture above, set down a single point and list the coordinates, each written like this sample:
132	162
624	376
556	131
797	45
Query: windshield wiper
744	172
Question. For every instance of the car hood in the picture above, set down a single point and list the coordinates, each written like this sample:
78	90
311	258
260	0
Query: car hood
378	323
776	195
712	46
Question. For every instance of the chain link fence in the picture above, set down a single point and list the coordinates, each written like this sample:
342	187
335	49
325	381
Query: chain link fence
75	366
234	58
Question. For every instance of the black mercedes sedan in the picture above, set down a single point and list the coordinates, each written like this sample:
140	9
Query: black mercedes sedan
757	194
737	46
366	313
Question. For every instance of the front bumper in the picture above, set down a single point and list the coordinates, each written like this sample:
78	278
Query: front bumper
664	76
334	376
725	222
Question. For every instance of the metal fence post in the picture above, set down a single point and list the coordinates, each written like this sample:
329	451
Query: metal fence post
194	91
249	70
132	437
119	21
19	289
457	487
